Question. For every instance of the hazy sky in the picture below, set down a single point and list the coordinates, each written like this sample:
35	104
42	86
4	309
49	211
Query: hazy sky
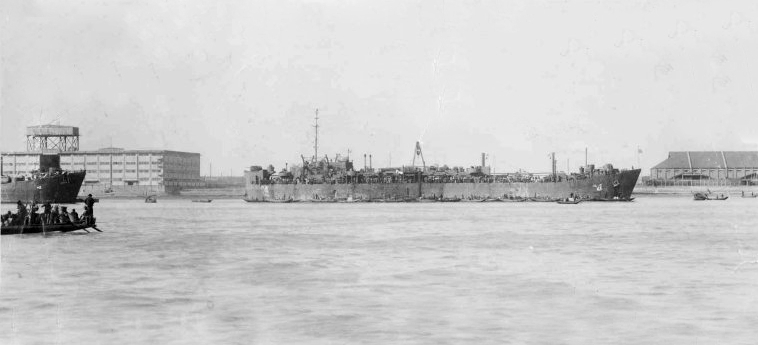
238	82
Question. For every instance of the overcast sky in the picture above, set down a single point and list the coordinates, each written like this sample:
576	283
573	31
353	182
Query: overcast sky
238	82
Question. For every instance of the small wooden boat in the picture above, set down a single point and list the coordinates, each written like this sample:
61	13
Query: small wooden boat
704	196
541	200
449	200
322	200
491	200
514	200
284	201
151	199
425	200
611	199
40	228
202	200
569	202
749	196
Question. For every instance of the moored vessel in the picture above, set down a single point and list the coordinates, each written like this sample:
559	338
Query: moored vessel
48	184
324	180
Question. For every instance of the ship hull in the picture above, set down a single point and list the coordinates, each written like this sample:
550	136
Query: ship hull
61	188
598	187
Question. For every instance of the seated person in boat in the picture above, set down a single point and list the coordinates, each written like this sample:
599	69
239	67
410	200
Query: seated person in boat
73	216
85	214
20	212
64	215
54	215
7	218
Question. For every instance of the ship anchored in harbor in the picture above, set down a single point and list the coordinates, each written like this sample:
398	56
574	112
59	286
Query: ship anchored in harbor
321	179
46	181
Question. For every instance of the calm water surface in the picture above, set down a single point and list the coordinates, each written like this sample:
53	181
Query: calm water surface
660	270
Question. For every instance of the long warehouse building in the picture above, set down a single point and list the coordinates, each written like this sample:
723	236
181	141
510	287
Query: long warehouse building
736	166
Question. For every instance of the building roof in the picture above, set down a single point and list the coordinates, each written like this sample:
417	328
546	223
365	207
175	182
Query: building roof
709	160
52	130
103	151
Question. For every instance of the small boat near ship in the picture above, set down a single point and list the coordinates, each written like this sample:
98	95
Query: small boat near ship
151	199
569	202
202	200
706	196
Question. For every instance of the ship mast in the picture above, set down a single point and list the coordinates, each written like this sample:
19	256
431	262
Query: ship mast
552	158
315	146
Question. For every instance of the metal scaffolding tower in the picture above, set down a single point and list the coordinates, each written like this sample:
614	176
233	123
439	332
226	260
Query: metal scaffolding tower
53	138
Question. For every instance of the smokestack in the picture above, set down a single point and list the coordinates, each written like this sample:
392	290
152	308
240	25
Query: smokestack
370	165
482	159
364	162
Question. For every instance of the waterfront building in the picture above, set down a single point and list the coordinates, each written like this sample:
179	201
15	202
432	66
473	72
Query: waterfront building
739	167
153	170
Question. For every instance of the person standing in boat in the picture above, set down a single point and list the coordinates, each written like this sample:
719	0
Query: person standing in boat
90	203
47	208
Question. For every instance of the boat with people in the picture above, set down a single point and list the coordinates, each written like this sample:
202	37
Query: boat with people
569	202
752	195
52	218
45	228
202	200
151	199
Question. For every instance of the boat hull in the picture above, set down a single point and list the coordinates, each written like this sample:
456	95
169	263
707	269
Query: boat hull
61	188
600	187
38	228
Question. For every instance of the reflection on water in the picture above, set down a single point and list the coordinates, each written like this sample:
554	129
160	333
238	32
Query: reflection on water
658	270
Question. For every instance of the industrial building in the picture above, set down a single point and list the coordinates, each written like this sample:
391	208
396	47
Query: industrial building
738	167
157	170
